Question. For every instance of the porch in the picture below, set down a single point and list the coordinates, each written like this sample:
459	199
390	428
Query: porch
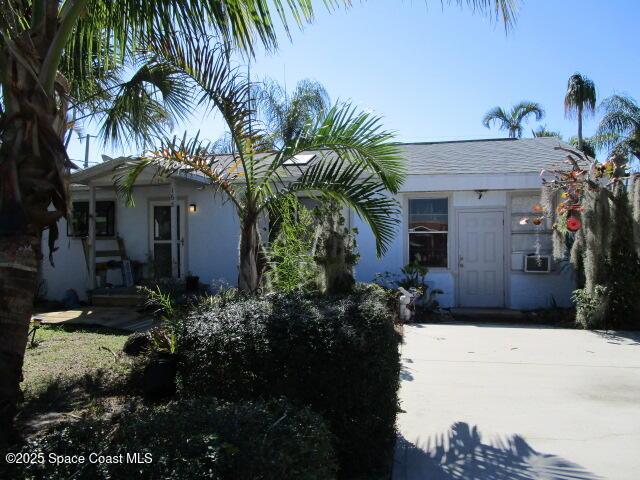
112	236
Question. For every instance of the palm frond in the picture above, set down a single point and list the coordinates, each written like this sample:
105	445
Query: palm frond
621	115
128	24
355	186
524	109
543	131
580	96
223	86
496	115
178	157
619	127
269	97
285	115
353	137
512	121
504	11
144	106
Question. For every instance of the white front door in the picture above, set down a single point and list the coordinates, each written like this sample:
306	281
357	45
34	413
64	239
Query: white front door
481	259
161	240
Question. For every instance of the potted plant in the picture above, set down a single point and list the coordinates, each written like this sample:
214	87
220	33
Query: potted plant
159	376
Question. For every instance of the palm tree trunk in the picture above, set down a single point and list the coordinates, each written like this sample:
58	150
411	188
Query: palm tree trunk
26	187
580	141
249	272
18	281
33	177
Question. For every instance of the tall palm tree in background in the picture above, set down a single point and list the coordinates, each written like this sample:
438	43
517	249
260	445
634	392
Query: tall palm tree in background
619	128
513	120
52	51
354	160
579	100
284	114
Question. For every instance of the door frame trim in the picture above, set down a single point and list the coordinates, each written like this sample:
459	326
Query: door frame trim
505	247
182	201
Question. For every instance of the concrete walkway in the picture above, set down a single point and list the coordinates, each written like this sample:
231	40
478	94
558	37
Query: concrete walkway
485	401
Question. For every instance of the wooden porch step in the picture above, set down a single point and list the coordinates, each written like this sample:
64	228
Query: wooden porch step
117	300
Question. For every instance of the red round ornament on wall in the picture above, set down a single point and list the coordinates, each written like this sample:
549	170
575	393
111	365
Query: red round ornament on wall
573	224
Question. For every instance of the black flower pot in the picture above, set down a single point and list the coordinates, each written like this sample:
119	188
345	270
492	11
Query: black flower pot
159	377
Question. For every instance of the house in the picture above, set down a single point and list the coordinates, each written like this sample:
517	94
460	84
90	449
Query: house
463	205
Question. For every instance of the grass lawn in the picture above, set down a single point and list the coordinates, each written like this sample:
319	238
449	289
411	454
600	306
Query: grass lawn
72	369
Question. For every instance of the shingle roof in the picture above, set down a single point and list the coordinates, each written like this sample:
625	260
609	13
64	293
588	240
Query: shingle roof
500	156
504	155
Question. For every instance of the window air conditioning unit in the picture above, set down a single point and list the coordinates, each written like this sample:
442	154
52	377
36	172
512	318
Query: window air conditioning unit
537	263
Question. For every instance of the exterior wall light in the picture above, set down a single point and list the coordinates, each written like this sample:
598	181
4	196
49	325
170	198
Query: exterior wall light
480	193
193	208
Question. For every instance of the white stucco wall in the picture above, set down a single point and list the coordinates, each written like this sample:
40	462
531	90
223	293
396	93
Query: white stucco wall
530	291
212	239
210	245
523	291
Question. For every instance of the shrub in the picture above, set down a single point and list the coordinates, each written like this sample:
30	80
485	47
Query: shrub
336	354
196	438
137	343
291	264
591	306
413	279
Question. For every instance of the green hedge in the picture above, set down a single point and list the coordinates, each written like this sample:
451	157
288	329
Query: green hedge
195	439
338	355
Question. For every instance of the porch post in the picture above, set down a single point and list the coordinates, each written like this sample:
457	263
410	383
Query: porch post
174	229
92	237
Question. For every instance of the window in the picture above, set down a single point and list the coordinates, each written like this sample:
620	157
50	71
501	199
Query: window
105	219
526	236
428	231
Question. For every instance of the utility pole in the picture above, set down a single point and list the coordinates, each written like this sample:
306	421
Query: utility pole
86	148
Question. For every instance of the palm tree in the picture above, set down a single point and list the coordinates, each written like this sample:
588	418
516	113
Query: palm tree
355	160
514	119
619	128
543	131
285	115
51	49
579	100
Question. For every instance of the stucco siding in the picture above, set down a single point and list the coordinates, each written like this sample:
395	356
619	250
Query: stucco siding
70	270
211	243
525	291
212	238
531	291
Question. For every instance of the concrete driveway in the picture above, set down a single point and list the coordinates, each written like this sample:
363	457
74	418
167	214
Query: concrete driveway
488	401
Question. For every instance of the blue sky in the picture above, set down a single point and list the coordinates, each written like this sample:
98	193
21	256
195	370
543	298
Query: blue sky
433	72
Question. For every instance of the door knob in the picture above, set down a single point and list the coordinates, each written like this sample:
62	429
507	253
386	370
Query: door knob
460	259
